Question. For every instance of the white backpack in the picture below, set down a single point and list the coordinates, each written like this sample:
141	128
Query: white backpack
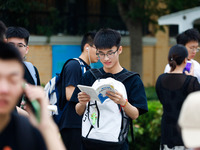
103	121
105	125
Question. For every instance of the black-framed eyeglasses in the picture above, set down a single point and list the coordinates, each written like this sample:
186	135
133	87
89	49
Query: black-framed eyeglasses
20	45
109	54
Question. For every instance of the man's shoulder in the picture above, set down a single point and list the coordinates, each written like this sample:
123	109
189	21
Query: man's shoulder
26	133
73	63
21	121
196	63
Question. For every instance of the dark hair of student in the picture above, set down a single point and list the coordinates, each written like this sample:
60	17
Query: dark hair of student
2	30
107	38
188	36
18	32
9	52
88	38
177	55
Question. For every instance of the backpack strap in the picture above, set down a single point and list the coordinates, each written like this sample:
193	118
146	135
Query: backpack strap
83	67
132	133
31	69
126	75
96	73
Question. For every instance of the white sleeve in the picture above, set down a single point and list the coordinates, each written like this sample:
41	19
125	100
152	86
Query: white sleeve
196	70
167	68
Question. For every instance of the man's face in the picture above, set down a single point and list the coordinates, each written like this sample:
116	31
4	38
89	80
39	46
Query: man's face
20	44
11	79
192	47
109	57
94	58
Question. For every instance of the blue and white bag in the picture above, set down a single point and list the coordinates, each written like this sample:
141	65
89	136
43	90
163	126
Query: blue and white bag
53	90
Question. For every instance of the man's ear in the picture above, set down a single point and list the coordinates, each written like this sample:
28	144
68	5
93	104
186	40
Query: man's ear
27	49
185	60
86	47
120	50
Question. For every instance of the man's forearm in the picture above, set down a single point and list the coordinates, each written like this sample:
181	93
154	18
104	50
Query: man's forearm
80	108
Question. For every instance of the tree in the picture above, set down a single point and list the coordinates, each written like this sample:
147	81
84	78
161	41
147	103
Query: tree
136	13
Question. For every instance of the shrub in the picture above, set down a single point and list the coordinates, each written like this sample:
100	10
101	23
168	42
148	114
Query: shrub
147	128
151	93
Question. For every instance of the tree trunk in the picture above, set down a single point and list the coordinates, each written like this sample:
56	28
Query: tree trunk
135	31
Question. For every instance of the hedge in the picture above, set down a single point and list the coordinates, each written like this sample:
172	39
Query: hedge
147	128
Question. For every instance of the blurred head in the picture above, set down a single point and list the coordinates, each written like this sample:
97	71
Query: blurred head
189	121
190	39
18	37
11	77
87	44
177	55
107	42
2	31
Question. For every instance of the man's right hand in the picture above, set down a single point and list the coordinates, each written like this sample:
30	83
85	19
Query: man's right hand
83	98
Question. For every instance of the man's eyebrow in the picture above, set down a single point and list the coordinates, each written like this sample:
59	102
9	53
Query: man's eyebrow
16	43
12	74
107	51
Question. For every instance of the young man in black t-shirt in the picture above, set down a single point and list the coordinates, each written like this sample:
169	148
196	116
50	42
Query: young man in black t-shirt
19	37
107	42
70	126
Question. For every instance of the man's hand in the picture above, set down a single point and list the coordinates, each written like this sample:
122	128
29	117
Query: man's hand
116	97
83	98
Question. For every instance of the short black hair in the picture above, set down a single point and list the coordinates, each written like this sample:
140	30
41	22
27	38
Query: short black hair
9	52
188	36
88	38
107	38
2	30
18	32
177	55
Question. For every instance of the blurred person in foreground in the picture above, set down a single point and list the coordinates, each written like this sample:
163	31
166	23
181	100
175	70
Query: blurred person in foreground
172	88
189	121
16	132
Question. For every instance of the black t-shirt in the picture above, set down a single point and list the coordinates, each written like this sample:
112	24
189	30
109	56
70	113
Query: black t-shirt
172	89
71	76
19	134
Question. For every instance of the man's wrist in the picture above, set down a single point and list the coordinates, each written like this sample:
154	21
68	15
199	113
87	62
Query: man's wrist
125	103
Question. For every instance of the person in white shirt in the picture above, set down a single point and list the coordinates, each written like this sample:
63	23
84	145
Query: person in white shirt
190	39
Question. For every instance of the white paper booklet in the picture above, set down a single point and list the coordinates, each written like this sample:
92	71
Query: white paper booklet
98	90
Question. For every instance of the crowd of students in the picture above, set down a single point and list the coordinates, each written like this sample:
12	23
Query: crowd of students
87	124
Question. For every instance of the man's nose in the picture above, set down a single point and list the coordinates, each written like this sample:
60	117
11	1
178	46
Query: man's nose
4	86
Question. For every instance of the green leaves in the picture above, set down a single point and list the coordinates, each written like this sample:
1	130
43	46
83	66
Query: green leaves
147	128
